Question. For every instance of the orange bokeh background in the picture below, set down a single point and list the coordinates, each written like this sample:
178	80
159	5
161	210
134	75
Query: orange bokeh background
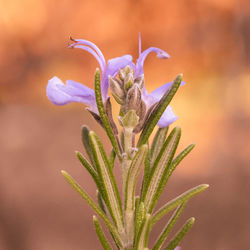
209	42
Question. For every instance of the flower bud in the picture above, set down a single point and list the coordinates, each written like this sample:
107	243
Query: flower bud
128	81
123	72
117	90
140	81
133	99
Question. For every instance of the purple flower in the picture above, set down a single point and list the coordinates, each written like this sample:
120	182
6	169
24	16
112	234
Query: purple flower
60	93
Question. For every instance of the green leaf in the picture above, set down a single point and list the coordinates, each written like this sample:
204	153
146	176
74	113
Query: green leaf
100	201
146	174
88	167
179	236
159	110
142	237
157	143
178	159
93	173
112	158
132	176
86	144
159	170
177	201
103	115
92	204
168	227
107	179
139	215
100	234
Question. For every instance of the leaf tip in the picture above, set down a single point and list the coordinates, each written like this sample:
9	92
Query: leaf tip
97	71
64	173
191	220
92	133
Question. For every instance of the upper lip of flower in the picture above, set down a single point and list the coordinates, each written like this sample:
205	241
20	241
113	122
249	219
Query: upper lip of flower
72	91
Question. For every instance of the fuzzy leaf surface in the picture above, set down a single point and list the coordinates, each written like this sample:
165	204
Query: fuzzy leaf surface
159	110
177	201
107	179
103	115
92	204
179	236
159	170
168	227
134	170
101	235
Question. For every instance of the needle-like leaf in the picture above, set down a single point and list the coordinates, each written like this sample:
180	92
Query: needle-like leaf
112	158
177	201
159	110
93	173
86	144
179	236
142	237
95	207
178	159
139	216
88	167
100	201
103	115
159	170
168	227
157	143
101	235
146	174
132	176
107	179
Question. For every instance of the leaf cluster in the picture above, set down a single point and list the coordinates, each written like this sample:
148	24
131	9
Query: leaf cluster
130	217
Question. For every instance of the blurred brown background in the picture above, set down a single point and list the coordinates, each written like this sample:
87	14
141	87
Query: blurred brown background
209	41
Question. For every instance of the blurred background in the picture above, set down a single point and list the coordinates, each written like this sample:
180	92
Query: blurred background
209	42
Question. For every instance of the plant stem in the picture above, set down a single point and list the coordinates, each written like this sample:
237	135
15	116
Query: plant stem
126	164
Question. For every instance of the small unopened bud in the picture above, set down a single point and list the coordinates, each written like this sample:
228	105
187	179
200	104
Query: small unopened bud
142	116
133	99
117	90
108	109
123	72
128	81
140	81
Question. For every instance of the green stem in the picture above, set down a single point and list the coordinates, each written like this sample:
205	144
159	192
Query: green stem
126	164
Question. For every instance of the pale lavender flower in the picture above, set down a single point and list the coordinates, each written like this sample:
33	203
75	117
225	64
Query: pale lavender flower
60	93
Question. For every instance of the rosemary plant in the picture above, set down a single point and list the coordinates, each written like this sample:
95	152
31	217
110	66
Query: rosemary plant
129	216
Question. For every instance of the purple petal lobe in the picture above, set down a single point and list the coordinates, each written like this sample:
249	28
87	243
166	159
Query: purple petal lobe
117	63
139	44
167	118
113	66
91	48
60	93
157	94
139	65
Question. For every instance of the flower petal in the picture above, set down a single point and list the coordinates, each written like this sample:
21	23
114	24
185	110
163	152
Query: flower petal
117	63
91	48
139	65
139	44
167	118
60	93
113	66
159	92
